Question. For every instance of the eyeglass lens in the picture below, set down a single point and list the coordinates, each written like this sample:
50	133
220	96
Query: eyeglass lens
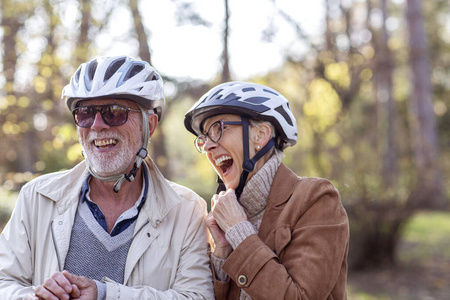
112	115
214	133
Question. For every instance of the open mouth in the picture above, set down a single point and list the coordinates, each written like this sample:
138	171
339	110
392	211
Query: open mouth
224	163
105	143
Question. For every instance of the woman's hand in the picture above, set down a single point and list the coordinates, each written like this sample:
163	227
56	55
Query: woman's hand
227	210
222	248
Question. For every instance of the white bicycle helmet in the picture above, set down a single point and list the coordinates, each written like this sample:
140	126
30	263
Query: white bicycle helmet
119	77
252	100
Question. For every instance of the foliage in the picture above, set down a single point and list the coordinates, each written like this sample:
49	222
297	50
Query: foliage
423	264
349	88
428	232
7	201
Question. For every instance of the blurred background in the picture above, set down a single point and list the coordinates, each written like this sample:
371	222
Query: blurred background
368	81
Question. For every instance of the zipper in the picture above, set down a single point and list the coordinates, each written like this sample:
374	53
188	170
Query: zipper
56	247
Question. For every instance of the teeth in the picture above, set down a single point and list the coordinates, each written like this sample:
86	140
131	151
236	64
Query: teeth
221	159
105	142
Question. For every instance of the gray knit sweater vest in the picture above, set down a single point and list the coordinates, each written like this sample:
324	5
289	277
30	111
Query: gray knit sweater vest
93	253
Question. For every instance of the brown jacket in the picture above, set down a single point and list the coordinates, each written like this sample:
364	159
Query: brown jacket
301	248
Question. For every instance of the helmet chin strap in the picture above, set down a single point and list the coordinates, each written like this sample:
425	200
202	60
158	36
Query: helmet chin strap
140	156
249	164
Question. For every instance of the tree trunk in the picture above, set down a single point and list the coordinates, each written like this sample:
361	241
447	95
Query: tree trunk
386	106
226	76
157	147
83	42
142	36
428	193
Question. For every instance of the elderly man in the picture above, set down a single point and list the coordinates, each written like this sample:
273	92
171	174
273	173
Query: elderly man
116	227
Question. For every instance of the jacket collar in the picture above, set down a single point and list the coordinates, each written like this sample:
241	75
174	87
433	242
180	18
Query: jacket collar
161	196
283	185
281	190
65	187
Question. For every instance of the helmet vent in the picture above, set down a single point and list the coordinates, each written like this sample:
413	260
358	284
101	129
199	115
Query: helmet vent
77	75
250	89
90	74
112	69
257	100
152	77
283	112
92	69
214	95
130	73
269	91
134	70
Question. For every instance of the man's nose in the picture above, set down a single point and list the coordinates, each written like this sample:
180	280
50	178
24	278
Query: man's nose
99	124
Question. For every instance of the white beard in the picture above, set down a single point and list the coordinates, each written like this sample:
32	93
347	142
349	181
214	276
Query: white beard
113	162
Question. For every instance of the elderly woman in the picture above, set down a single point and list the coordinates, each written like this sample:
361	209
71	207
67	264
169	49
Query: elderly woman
276	235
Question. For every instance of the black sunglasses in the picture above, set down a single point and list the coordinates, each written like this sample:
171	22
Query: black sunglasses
112	114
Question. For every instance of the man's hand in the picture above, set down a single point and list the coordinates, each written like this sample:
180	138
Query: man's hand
87	288
65	286
57	287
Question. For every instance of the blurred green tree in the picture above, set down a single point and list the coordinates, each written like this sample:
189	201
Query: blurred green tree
354	88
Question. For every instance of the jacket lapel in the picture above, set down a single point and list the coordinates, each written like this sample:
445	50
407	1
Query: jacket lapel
280	192
161	199
61	232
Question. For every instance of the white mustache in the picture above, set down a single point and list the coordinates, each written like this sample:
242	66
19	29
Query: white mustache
102	135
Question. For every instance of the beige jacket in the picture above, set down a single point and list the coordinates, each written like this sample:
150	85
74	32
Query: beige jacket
167	258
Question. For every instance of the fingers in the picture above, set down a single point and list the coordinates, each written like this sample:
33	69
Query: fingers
56	287
62	281
228	194
75	280
82	285
214	200
76	292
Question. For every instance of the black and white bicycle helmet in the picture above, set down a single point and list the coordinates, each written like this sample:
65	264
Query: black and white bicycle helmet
250	101
119	77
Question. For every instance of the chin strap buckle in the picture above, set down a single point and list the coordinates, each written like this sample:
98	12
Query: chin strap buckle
142	154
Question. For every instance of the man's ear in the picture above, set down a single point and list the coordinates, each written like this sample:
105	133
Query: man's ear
152	123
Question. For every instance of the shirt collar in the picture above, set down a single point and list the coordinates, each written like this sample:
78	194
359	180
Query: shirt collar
139	202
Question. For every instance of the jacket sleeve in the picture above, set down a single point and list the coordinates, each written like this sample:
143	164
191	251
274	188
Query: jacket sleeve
310	248
15	255
193	277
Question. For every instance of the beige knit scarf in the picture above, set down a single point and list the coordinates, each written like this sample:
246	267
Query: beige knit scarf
255	195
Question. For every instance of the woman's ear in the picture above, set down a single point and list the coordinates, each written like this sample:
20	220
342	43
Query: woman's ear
262	134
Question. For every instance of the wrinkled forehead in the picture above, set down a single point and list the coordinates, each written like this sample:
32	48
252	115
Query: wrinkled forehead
107	101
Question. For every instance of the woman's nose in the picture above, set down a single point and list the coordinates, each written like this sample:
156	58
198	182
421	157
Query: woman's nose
209	145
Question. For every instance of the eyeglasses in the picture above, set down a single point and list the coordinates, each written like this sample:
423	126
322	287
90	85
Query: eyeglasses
112	114
214	133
